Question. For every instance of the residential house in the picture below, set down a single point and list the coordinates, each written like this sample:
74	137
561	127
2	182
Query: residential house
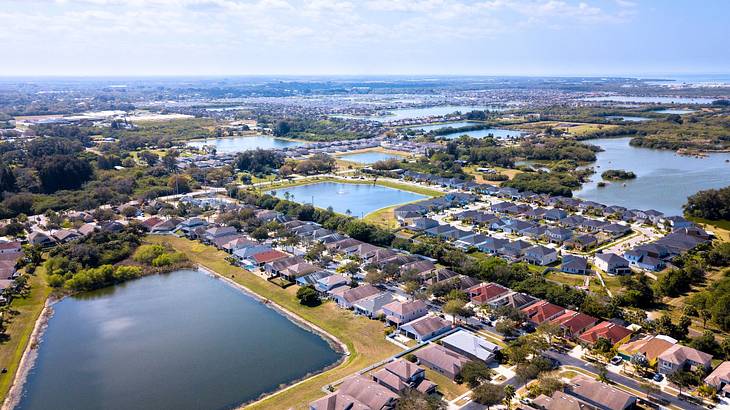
425	328
557	234
574	323
602	395
472	241
516	300
40	239
422	224
492	245
642	260
554	214
720	378
575	265
470	345
372	306
485	292
679	357
540	255
441	360
328	283
581	242
346	298
612	263
542	311
615	333
66	235
397	312
401	374
262	258
649	347
357	393
218	231
10	247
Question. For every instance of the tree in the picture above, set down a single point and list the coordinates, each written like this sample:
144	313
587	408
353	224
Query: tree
260	233
507	327
509	395
549	330
150	158
282	128
414	400
707	391
375	277
63	172
308	296
684	379
456	308
488	394
474	373
602	372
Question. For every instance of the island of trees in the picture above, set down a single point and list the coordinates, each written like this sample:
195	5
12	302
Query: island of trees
617	175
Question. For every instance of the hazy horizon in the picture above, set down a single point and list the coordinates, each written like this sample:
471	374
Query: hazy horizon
115	38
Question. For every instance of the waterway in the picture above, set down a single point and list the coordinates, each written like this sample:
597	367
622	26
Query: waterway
369	157
664	179
184	340
358	199
229	145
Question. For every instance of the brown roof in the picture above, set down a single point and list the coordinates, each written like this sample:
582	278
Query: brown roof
650	346
403	368
428	325
360	292
4	246
367	392
404	308
720	374
442	358
338	401
600	394
485	292
561	401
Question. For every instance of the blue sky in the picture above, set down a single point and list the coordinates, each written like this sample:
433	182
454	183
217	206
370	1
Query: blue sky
490	37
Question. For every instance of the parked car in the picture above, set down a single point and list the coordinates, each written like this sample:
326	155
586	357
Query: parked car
658	377
616	360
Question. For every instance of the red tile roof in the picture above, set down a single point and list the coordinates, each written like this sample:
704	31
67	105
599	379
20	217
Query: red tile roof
542	311
607	330
485	292
269	256
574	322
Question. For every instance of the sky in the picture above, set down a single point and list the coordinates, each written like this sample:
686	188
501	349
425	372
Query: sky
374	37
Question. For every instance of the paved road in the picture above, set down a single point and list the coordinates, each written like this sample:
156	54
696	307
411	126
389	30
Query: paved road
617	378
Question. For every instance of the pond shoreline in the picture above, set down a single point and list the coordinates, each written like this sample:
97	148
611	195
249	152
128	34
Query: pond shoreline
337	345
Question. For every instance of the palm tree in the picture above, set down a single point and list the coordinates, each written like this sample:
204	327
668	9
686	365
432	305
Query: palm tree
348	212
509	394
287	195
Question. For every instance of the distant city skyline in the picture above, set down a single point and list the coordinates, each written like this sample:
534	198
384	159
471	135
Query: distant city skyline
377	37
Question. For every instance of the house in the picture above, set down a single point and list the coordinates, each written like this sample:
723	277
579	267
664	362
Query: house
554	214
166	226
515	249
575	265
616	230
472	241
612	263
650	347
425	328
540	255
419	267
372	306
601	395
66	235
297	270
470	345
439	230
312	278
328	283
346	298
401	374
485	292
558	401
238	242
492	245
150	223
40	239
574	323
398	312
607	330
581	242
441	360
218	231
188	226
679	357
10	247
720	378
542	311
357	393
262	258
643	261
244	254
87	229
557	234
516	300
422	224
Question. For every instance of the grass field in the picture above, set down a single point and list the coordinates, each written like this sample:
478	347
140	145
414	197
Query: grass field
364	337
576	128
479	177
20	323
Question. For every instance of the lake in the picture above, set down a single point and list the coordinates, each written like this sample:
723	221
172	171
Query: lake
495	132
184	340
675	111
360	199
628	118
369	157
229	145
409	113
664	179
652	100
431	127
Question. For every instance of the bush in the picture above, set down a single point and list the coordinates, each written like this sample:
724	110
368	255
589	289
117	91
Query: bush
308	296
147	253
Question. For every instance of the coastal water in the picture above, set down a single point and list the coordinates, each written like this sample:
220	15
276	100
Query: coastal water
431	127
674	111
238	144
183	340
493	132
664	179
412	113
628	118
369	157
652	100
359	199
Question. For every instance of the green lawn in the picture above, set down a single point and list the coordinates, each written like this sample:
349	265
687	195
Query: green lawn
364	338
20	323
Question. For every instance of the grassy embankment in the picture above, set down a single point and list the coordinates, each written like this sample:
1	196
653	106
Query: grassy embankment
363	337
20	321
479	177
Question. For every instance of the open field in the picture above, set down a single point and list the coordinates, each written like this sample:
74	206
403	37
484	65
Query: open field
364	337
574	128
19	325
479	177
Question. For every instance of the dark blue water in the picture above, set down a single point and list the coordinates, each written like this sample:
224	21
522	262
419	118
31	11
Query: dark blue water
359	199
183	340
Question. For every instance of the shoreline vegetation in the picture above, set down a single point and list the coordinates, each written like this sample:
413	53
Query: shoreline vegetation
618	175
363	338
